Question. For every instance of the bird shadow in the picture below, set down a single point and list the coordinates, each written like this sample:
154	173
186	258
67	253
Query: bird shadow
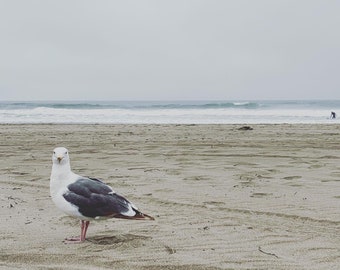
118	240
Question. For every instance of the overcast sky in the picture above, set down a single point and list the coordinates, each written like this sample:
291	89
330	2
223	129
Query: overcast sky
169	50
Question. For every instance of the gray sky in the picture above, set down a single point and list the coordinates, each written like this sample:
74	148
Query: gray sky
169	50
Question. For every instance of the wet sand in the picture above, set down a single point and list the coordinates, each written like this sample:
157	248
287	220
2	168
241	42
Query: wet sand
223	198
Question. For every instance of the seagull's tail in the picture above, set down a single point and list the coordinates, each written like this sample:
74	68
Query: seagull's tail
126	209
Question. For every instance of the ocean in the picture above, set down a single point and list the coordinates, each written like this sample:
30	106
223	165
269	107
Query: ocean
170	112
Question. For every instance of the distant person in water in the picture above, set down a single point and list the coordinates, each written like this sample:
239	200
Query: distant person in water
333	115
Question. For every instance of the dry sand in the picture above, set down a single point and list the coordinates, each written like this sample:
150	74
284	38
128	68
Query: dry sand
223	198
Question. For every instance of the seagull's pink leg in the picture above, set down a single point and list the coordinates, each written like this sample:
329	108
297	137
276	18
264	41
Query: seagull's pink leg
81	238
84	226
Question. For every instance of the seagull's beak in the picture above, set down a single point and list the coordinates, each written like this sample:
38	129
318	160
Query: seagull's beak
59	159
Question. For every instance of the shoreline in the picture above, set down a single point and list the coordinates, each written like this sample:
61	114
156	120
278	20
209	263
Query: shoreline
175	112
266	198
330	122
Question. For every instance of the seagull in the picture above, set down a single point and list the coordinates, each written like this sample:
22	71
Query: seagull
86	198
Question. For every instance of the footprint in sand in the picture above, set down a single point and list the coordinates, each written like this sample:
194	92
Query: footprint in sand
260	194
292	177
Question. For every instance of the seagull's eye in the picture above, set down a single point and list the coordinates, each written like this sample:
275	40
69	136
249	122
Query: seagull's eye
66	153
53	153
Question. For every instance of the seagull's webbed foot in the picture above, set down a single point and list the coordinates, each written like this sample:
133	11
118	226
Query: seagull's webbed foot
82	237
73	240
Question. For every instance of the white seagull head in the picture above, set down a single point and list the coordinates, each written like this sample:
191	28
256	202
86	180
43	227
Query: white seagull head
60	156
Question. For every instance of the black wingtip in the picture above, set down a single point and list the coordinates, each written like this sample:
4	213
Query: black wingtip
142	216
138	216
148	217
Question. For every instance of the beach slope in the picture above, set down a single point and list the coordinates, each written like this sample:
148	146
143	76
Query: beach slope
223	197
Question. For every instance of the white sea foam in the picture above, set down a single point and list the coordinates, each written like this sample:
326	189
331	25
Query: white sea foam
160	113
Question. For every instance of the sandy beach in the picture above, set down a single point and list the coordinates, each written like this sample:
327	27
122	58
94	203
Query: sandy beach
223	198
